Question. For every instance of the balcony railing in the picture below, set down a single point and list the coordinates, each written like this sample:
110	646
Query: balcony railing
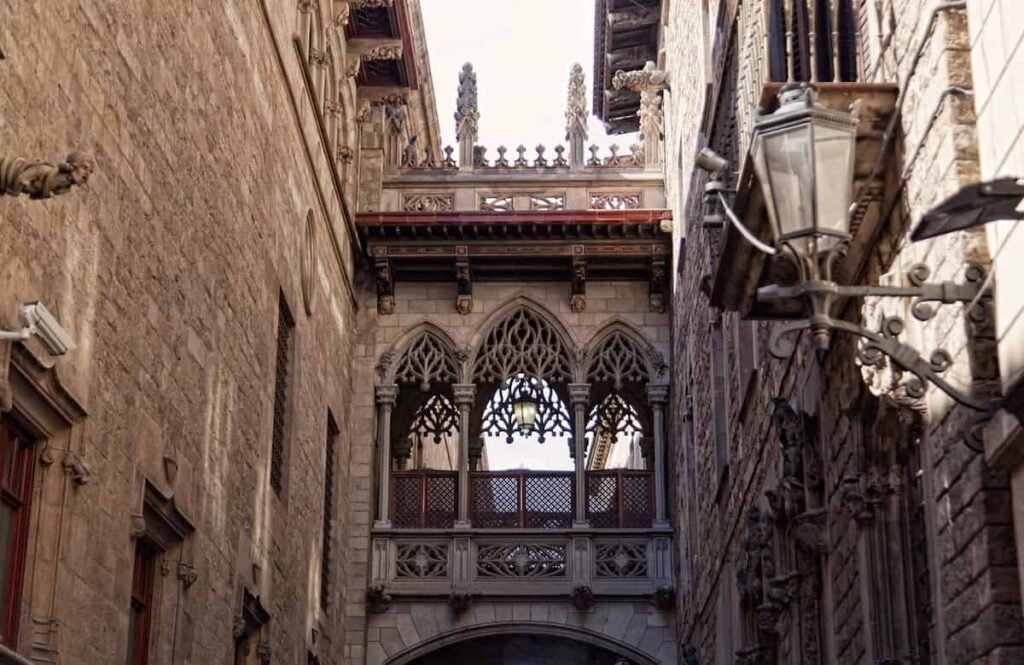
523	499
812	40
424	499
616	499
620	498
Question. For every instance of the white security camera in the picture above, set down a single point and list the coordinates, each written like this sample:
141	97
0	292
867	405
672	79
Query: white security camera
710	161
39	321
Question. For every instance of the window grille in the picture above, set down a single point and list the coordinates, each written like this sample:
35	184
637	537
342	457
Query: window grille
328	529
282	381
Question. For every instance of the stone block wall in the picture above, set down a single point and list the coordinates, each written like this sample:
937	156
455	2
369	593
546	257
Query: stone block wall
166	269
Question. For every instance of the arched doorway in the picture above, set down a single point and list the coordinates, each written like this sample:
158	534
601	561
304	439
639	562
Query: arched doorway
521	649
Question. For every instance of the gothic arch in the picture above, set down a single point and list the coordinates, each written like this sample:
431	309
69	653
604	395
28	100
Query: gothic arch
633	357
628	651
449	362
557	362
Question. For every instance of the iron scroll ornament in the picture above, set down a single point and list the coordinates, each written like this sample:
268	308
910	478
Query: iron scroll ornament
820	295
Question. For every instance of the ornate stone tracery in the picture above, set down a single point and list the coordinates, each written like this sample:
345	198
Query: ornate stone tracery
523	343
619	359
427	361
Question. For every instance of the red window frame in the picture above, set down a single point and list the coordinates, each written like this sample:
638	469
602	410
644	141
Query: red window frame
143	574
17	453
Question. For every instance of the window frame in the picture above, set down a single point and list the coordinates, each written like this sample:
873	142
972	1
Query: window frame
20	473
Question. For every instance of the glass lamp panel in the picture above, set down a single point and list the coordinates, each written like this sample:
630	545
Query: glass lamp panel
761	169
833	160
789	162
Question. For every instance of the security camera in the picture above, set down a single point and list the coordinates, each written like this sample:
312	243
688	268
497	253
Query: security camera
710	161
39	321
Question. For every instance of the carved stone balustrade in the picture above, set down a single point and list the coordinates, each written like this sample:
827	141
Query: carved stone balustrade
528	562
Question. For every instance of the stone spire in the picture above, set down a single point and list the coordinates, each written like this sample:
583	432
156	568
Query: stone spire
467	115
576	116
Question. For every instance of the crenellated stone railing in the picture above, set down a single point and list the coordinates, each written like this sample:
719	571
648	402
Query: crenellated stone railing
540	160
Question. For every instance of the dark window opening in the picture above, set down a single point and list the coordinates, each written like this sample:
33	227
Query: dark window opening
143	573
282	385
328	527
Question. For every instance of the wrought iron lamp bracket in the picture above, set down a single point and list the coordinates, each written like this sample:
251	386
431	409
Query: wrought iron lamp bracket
821	295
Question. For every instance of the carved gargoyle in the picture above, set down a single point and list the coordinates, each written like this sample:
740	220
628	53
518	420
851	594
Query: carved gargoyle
41	180
582	597
378	600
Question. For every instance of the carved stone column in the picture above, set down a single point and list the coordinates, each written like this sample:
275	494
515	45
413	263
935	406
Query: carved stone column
657	395
579	396
385	396
463	393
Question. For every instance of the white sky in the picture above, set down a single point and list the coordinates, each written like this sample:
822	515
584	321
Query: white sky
522	51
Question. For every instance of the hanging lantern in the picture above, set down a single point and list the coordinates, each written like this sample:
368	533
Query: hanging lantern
524	406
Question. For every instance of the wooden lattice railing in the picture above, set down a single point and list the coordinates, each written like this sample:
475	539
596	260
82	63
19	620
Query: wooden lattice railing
424	499
523	499
620	498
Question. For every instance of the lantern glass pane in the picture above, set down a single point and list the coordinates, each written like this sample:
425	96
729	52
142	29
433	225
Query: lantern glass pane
789	162
834	149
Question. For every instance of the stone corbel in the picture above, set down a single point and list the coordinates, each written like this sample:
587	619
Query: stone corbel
187	574
42	180
582	598
459	600
578	299
385	286
383	52
658	283
664	598
378	600
463	281
648	79
76	467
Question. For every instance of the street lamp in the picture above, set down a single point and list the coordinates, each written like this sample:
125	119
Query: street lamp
803	156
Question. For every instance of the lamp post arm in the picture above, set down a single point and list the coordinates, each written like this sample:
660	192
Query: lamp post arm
744	231
906	357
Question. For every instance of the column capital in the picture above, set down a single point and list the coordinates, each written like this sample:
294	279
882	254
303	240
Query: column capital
579	393
463	393
657	393
386	394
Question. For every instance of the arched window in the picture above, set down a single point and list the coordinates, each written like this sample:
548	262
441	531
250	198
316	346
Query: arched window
615	435
425	421
521	418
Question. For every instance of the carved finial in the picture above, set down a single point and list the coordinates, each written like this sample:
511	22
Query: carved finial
650	78
467	114
501	161
576	107
560	159
540	161
41	180
594	159
449	161
521	160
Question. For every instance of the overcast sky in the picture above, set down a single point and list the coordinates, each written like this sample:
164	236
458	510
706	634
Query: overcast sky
522	51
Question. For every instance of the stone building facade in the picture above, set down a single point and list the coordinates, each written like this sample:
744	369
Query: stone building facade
825	511
197	438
